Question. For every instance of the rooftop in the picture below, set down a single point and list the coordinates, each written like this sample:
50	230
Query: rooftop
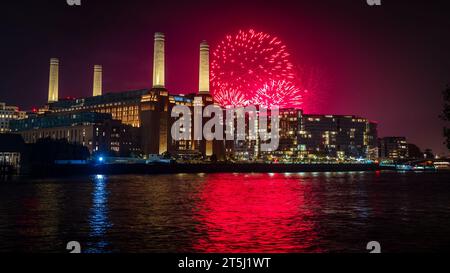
52	121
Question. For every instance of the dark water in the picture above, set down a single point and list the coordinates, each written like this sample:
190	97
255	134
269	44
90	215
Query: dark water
313	212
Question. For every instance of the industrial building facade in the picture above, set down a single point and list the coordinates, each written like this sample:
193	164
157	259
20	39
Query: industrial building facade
393	148
98	132
311	137
338	136
7	114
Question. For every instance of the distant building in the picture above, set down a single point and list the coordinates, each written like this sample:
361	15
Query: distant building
338	137
289	132
304	136
8	113
393	148
243	147
96	131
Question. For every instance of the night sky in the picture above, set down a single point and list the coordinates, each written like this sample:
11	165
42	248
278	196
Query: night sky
387	63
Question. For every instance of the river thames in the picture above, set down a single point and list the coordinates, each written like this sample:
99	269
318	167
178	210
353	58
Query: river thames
228	213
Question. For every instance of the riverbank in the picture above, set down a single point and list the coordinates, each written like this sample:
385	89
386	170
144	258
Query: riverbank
117	169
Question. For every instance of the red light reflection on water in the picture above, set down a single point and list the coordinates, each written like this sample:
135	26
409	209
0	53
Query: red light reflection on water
261	213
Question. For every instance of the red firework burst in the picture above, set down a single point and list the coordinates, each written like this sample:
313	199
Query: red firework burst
280	94
241	64
230	97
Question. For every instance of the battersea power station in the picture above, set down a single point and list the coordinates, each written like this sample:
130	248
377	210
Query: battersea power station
138	123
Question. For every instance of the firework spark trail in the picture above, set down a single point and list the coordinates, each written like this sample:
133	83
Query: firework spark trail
230	97
282	94
243	63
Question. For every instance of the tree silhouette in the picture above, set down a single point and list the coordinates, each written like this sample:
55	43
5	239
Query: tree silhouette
429	154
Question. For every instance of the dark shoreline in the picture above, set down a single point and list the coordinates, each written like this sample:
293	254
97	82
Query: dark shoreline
119	169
